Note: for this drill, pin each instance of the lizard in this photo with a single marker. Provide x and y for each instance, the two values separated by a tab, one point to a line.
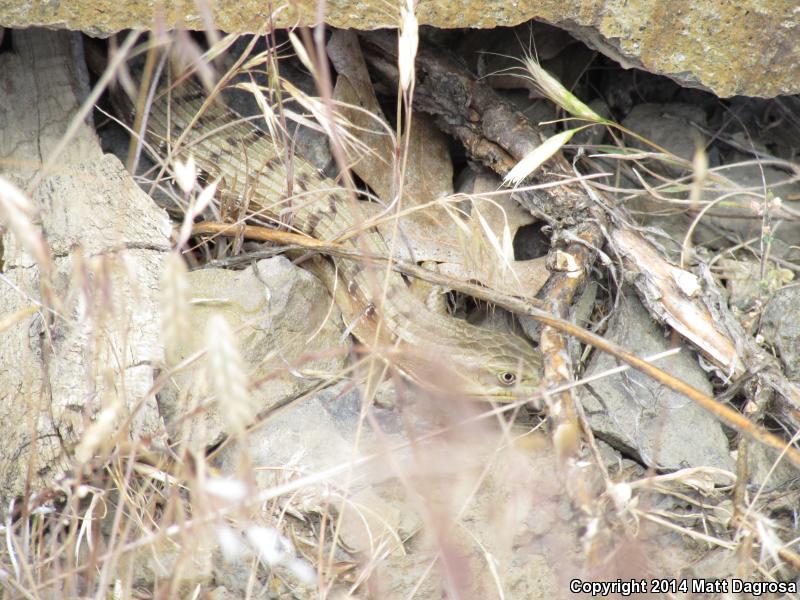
250	166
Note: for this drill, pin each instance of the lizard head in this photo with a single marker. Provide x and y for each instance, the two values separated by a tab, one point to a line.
495	366
509	371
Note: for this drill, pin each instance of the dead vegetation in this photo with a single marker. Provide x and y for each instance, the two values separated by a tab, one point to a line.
391	485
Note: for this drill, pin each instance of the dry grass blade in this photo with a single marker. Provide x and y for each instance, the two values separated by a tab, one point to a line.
504	250
332	123
270	119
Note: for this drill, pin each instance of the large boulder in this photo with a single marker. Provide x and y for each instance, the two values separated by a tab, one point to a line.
748	47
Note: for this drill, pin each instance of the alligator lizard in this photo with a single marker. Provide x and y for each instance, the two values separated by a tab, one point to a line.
251	168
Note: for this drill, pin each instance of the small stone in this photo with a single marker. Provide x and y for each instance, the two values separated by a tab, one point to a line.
640	416
780	327
274	308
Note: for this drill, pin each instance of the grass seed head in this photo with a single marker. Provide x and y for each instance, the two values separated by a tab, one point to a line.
557	93
175	301
537	157
407	45
228	377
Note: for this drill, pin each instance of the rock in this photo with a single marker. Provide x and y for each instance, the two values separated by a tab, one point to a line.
428	168
115	139
276	309
317	434
747	47
43	83
780	327
412	493
639	416
678	41
748	291
759	180
668	125
495	58
422	489
761	462
107	241
740	184
172	568
593	136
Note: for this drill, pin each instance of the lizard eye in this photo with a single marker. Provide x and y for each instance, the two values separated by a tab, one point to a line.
507	378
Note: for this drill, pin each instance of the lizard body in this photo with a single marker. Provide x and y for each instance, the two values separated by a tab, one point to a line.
252	168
